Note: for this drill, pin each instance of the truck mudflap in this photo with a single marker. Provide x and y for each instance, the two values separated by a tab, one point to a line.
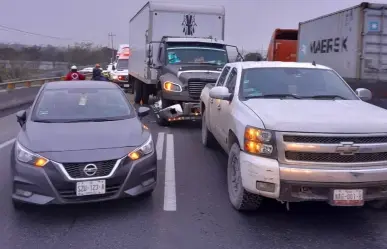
177	112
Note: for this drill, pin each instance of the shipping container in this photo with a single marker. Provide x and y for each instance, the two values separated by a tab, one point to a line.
283	45
353	42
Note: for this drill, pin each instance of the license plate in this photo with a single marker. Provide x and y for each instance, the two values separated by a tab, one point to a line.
91	188
126	85
348	197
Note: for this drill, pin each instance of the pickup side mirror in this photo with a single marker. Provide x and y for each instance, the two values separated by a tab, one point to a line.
220	92
364	94
21	117
143	111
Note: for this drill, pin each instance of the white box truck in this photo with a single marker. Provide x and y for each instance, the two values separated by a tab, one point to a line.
176	49
353	42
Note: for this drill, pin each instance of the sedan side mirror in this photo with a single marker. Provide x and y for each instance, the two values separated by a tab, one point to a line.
143	111
21	117
364	94
220	92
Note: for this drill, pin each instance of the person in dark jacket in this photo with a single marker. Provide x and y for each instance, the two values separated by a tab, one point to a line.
97	73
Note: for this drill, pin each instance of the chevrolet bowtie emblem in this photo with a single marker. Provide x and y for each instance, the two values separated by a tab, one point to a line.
347	149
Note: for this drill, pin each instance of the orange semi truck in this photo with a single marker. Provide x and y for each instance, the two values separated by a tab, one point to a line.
283	45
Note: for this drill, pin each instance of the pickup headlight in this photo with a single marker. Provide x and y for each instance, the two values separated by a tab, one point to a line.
171	87
25	156
259	142
143	150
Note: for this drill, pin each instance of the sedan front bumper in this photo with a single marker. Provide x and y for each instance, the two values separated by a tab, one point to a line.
49	185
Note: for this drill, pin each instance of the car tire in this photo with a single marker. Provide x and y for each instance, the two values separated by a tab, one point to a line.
208	139
145	94
378	204
137	91
241	199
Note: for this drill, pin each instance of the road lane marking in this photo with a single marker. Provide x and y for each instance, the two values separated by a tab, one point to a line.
5	144
160	145
170	183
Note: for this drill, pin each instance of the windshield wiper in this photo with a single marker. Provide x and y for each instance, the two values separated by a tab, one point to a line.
281	96
326	97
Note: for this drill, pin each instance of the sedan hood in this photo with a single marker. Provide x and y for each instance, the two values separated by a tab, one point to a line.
330	116
51	137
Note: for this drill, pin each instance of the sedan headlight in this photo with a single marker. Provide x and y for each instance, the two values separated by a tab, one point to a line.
143	150
259	142
172	87
25	156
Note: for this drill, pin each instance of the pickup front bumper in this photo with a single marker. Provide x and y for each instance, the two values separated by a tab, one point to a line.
296	183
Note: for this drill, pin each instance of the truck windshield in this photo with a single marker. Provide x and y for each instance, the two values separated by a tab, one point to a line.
294	82
122	64
196	55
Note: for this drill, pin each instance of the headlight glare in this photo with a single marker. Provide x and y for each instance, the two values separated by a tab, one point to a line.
143	150
259	142
171	87
26	156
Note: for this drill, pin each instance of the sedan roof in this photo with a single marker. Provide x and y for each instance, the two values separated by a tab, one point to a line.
74	84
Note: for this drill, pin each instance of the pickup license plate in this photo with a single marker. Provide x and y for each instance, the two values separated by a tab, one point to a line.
91	188
126	85
348	197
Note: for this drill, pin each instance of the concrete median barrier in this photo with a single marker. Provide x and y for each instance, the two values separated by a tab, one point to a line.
17	97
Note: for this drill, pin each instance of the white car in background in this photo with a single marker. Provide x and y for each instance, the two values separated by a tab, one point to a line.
86	70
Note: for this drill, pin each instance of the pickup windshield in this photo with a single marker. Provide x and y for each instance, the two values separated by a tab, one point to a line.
122	64
294	83
196	55
81	105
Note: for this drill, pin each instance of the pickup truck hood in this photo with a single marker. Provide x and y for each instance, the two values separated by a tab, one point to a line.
203	73
326	116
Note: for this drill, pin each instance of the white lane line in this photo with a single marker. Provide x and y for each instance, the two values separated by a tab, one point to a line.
5	144
160	145
170	183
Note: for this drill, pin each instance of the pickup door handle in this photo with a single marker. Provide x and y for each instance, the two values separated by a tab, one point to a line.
211	100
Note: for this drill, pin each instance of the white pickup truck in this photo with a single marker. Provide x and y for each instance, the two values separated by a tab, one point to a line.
296	132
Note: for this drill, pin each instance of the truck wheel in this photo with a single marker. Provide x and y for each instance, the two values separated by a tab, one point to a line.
164	104
239	197
208	139
137	91
145	94
379	204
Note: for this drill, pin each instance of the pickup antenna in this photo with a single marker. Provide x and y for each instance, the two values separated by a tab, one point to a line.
314	63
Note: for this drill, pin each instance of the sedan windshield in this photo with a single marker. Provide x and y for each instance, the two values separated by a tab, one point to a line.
81	105
296	83
199	55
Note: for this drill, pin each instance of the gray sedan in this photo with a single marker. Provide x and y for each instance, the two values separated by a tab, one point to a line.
81	142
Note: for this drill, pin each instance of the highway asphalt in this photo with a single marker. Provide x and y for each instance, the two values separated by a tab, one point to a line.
189	211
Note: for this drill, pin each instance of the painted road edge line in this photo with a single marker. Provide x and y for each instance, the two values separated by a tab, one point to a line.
160	145
5	144
170	183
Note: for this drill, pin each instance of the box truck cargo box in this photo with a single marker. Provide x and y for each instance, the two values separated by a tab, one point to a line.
353	42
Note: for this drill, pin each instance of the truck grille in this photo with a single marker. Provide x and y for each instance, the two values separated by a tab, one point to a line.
195	87
329	148
75	170
335	157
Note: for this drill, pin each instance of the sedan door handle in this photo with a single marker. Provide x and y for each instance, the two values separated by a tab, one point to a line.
211	101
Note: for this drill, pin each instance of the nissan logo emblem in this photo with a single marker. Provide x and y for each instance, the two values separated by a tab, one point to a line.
90	169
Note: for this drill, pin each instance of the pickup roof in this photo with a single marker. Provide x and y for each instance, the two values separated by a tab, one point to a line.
296	132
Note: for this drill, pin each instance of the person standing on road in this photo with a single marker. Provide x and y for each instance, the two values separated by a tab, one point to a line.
97	73
74	74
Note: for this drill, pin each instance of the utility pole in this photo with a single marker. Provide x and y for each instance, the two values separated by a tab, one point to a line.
111	39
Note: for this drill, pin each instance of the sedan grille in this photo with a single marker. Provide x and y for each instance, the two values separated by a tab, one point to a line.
195	87
76	170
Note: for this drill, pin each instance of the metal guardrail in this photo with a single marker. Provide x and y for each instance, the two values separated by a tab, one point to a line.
32	83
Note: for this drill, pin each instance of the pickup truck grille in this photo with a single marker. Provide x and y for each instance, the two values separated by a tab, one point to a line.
195	87
331	148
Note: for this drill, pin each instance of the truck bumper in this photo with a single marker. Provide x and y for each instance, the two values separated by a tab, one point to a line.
296	183
178	112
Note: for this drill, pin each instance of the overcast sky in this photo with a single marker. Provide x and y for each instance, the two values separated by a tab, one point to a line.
249	23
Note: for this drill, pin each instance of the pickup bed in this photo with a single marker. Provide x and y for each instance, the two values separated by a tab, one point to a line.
296	132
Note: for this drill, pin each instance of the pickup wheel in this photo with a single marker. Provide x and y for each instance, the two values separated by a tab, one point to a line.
239	197
208	139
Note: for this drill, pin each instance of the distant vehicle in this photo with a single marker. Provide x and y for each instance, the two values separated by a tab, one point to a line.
283	45
86	70
296	132
120	72
69	150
